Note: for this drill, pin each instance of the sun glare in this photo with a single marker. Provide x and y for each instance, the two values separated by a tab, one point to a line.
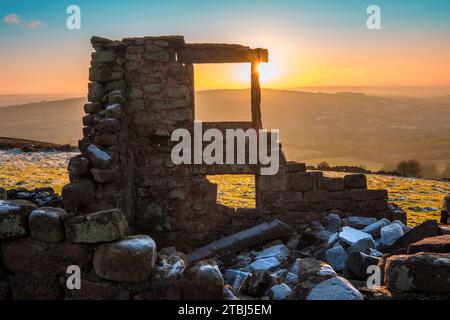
268	74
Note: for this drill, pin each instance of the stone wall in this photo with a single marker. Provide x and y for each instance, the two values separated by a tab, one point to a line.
297	197
141	90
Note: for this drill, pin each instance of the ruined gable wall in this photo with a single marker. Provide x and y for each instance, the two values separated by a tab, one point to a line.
138	95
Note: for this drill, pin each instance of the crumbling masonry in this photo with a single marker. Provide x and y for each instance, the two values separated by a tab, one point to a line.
141	90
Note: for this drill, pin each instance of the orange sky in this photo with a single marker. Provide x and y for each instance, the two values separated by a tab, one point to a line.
309	45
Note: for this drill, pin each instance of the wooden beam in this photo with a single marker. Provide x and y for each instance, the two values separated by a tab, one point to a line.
256	96
220	53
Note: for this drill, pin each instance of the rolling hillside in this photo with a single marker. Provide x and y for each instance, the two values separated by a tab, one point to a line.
343	128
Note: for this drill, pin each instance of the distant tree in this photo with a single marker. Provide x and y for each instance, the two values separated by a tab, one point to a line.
323	166
410	167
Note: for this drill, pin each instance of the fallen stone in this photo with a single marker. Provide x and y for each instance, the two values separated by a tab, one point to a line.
374	229
14	218
291	279
267	264
336	257
375	253
350	235
311	273
47	224
358	262
335	288
401	224
360	222
43	258
390	234
333	222
279	292
102	226
130	259
281	252
429	228
237	278
260	282
429	272
363	245
203	282
439	244
241	240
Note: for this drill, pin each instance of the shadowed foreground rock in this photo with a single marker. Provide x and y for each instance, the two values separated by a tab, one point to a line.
130	259
429	272
440	244
429	228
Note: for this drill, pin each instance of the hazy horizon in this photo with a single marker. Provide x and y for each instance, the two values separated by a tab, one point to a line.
422	91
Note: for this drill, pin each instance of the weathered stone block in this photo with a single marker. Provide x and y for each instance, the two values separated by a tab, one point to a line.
46	224
439	244
356	181
131	259
103	226
106	139
100	73
103	56
108	125
14	218
95	92
79	165
100	159
429	228
78	194
316	195
114	111
372	205
203	282
43	258
291	167
300	181
331	184
429	272
363	194
94	107
105	175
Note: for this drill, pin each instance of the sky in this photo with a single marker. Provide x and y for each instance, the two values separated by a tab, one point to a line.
311	43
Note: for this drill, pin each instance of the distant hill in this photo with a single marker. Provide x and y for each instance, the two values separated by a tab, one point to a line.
51	121
343	128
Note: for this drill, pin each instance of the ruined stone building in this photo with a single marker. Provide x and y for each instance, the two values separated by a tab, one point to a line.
142	89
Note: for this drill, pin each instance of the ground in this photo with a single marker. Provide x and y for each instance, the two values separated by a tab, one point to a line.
421	199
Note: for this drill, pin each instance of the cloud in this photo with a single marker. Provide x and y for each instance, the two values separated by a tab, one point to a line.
15	19
36	24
